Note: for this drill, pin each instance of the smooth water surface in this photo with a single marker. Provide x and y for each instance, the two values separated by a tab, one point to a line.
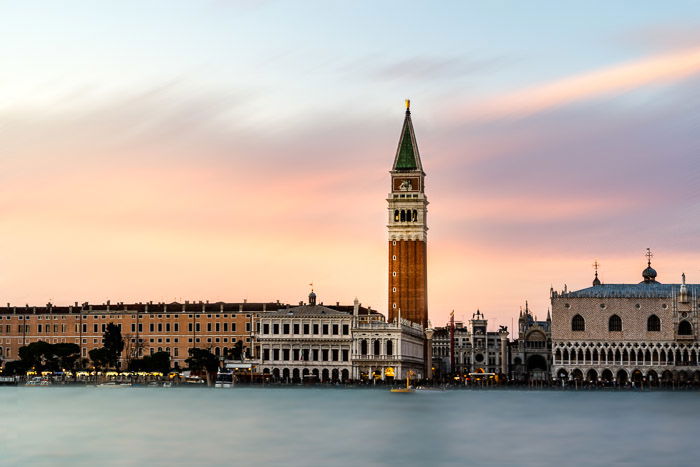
322	426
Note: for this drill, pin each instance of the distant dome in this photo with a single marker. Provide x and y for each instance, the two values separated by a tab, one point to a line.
312	298
649	274
596	281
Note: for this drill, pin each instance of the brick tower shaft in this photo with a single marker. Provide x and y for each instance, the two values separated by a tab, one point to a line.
407	204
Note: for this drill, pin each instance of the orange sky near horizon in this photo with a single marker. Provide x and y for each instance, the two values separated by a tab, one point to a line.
250	176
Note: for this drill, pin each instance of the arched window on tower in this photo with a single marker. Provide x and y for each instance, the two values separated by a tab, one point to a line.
403	215
685	328
653	324
415	216
396	215
389	348
615	324
377	347
578	323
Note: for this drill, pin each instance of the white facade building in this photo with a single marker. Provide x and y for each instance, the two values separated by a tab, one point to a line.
306	343
387	350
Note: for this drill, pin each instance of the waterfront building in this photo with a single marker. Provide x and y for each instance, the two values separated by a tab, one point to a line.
146	327
311	342
387	351
531	352
451	354
627	332
407	212
476	350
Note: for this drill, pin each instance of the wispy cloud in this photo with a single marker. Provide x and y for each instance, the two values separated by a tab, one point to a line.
616	79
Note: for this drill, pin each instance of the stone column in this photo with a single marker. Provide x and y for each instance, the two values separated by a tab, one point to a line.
429	353
504	352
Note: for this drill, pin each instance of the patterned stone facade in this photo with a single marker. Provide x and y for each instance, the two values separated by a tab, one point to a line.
644	332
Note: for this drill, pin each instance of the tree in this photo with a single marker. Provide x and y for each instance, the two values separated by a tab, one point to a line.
67	355
100	358
16	367
236	352
203	360
159	361
113	344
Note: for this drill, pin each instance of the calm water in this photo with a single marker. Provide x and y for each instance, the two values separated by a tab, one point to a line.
308	426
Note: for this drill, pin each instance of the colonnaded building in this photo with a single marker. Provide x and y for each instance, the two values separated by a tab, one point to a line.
627	332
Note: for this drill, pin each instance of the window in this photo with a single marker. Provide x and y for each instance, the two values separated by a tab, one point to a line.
346	329
653	324
208	327
325	329
276	329
266	328
685	328
306	328
176	327
189	327
247	327
151	327
285	327
225	327
346	355
233	327
217	327
336	330
389	347
296	328
315	328
578	323
615	324
197	327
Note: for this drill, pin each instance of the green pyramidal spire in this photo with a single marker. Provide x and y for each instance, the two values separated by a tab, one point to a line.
407	156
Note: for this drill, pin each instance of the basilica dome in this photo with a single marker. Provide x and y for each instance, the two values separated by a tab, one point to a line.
649	274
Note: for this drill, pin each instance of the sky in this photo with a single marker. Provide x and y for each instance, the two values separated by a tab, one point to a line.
230	150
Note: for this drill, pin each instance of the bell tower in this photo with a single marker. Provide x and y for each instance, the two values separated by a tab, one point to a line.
408	272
